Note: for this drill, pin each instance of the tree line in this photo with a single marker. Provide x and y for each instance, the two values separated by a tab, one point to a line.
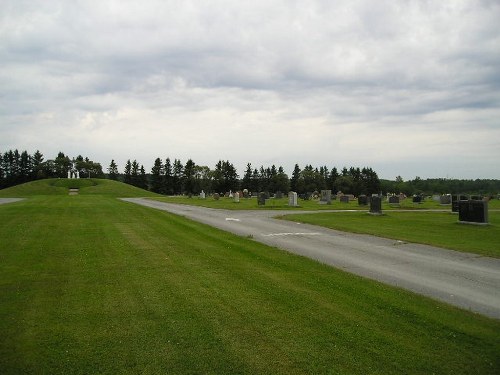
429	186
173	177
20	167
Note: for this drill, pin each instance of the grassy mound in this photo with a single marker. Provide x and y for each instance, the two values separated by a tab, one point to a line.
61	186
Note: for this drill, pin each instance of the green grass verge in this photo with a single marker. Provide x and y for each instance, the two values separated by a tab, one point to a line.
90	284
431	228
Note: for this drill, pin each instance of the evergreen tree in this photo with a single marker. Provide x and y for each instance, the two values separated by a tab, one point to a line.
143	178
281	182
157	176
331	180
113	170
177	176
134	174
188	177
37	166
127	174
255	185
247	178
295	178
25	167
168	185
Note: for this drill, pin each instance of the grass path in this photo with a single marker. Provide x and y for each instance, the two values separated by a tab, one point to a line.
90	284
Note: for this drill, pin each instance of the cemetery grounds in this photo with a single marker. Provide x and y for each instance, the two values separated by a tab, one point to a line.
91	284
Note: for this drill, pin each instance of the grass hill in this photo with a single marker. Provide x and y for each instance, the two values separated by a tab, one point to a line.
61	186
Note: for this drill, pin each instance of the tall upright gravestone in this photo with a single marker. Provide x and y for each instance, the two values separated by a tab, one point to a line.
292	199
326	197
261	199
376	205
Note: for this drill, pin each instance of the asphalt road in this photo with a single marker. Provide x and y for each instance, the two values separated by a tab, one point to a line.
465	280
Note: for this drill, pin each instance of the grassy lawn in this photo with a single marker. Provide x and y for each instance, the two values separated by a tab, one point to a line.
431	228
282	204
90	284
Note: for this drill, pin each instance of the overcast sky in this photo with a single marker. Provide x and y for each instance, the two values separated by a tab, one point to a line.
409	88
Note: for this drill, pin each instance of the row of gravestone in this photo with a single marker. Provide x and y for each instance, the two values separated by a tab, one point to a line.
471	209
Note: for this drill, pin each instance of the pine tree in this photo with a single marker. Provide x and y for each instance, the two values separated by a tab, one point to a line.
295	178
143	178
188	177
113	170
177	176
168	187
247	178
128	173
157	176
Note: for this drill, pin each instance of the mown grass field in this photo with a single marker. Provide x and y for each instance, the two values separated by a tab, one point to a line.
282	204
90	284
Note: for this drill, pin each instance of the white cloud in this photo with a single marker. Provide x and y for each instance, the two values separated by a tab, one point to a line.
380	84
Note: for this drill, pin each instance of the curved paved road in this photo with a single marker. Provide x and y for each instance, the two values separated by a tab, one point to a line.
466	280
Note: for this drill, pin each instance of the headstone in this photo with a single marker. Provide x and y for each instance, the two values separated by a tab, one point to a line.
261	199
363	200
230	195
278	195
344	199
393	199
376	205
445	199
236	197
202	195
245	193
216	196
292	199
473	211
326	197
417	199
77	174
69	174
455	199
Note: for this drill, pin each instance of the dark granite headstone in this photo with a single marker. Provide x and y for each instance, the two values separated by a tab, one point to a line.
216	196
362	200
393	199
261	198
473	211
455	199
417	199
344	199
278	195
376	205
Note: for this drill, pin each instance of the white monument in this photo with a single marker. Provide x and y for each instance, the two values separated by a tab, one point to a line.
236	197
292	199
202	195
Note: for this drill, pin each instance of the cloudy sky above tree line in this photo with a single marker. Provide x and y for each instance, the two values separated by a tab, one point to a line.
409	88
